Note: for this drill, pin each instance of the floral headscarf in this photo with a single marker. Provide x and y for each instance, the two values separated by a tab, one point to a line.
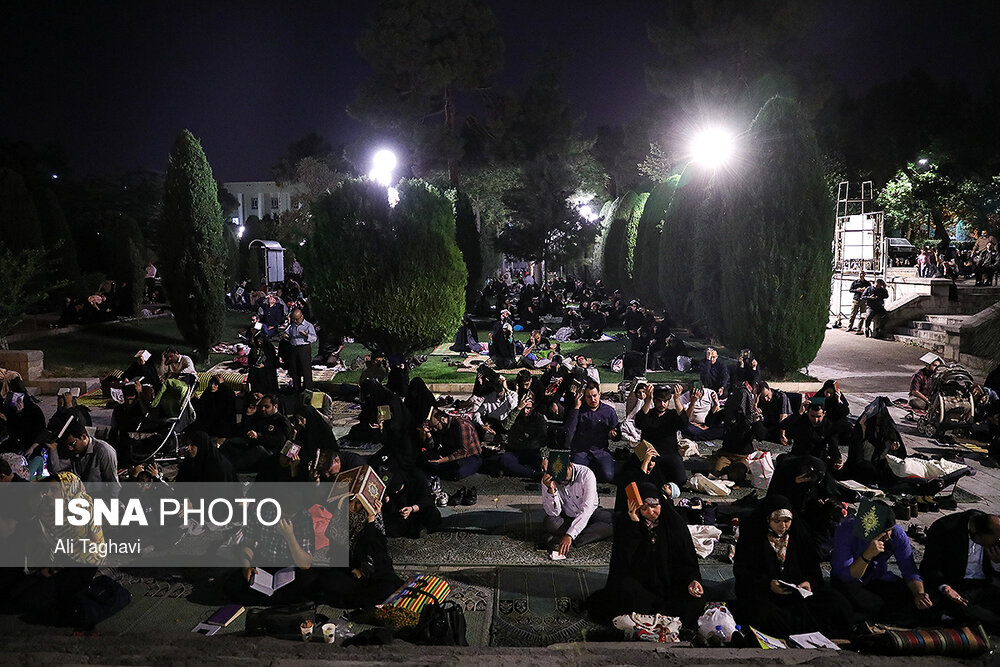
71	487
18	465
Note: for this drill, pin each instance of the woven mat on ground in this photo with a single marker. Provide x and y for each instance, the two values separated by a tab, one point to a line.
442	350
491	537
92	399
509	372
541	606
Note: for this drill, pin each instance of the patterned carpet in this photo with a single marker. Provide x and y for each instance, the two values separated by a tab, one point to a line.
543	605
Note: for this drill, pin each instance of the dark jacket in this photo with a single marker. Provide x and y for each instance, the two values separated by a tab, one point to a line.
946	555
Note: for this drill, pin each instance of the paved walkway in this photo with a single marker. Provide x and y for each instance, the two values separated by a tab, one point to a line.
864	364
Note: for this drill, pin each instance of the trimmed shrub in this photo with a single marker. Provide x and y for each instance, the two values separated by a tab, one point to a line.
391	277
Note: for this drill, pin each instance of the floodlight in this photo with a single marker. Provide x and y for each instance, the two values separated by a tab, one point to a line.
712	147
383	164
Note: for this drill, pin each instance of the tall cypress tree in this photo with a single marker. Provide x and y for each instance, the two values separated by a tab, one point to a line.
193	255
468	240
677	277
775	257
647	243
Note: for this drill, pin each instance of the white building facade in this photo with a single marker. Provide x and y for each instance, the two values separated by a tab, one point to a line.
263	198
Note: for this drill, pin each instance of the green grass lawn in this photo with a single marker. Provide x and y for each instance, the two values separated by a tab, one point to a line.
93	351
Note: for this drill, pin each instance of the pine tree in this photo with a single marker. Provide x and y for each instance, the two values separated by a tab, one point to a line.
192	254
775	255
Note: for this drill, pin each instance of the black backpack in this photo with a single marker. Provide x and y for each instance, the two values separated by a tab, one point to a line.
440	624
102	598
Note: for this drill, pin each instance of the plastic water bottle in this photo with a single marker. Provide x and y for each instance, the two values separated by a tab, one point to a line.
717	638
738	639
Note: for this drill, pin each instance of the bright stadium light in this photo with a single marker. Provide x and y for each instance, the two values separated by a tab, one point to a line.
712	147
383	164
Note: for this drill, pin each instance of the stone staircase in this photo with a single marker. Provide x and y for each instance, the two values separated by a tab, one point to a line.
934	332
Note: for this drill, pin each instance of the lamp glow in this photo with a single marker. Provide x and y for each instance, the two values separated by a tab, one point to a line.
586	211
383	164
712	147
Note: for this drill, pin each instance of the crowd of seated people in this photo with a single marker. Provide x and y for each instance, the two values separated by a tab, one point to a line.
512	426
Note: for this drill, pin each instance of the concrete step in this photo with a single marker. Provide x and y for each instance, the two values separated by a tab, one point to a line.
925	325
51	386
919	342
925	334
945	320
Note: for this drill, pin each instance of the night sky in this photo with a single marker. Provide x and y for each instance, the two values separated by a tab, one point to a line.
116	81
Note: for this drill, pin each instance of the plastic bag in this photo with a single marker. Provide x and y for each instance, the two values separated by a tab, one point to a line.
717	620
649	627
704	539
713	487
927	469
761	468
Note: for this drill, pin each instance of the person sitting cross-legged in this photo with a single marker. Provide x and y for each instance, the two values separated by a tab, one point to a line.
261	434
654	568
452	447
573	515
862	548
527	433
659	422
961	565
590	424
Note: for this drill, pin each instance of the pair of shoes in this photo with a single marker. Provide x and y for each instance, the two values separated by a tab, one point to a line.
441	499
859	332
464	496
917	533
850	328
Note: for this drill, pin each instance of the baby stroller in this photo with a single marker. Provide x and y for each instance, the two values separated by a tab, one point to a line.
951	405
156	438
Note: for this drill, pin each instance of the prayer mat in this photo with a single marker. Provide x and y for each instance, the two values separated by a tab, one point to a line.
491	537
93	399
541	606
442	350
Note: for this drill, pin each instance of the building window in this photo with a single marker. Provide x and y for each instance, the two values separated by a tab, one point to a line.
253	203
274	202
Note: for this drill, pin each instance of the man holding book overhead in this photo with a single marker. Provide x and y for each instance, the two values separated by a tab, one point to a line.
572	512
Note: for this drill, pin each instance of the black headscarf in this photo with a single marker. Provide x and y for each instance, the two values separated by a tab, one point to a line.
208	464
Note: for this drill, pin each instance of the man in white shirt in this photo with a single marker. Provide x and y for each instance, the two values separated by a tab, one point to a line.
572	511
495	408
705	422
176	365
962	561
